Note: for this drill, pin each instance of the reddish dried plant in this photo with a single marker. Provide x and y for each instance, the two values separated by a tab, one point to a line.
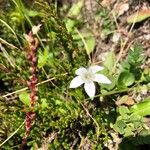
33	44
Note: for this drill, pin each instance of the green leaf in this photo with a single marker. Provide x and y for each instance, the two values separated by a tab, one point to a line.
90	42
125	65
32	13
123	110
135	56
110	60
73	12
119	126
142	108
126	79
139	16
43	58
58	102
75	9
44	103
70	24
25	98
85	35
128	131
110	86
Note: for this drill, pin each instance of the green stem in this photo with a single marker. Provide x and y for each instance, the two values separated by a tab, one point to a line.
119	91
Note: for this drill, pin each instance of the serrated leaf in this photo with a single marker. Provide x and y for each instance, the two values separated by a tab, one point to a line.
139	16
141	109
110	60
25	98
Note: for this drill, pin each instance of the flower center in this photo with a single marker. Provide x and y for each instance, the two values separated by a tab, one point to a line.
88	77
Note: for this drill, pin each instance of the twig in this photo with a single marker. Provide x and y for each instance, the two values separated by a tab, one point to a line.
24	89
97	125
12	134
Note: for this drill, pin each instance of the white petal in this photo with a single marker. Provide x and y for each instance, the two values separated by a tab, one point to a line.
101	79
95	68
90	89
35	29
80	71
77	81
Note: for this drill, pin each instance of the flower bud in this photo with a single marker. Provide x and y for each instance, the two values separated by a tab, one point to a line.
34	79
34	59
29	57
33	70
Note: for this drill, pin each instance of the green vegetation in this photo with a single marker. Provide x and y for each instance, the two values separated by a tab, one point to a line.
67	118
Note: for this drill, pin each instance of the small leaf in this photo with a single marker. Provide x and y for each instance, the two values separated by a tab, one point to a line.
44	103
139	16
126	79
43	58
25	98
119	126
90	42
128	131
70	24
123	110
58	102
73	12
110	60
75	9
142	108
32	13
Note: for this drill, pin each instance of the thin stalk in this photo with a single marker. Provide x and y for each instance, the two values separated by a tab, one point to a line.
12	134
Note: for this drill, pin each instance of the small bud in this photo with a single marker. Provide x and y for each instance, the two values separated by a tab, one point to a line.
34	79
29	57
34	49
34	59
33	70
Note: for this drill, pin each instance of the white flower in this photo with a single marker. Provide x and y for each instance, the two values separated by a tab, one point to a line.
87	77
35	29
